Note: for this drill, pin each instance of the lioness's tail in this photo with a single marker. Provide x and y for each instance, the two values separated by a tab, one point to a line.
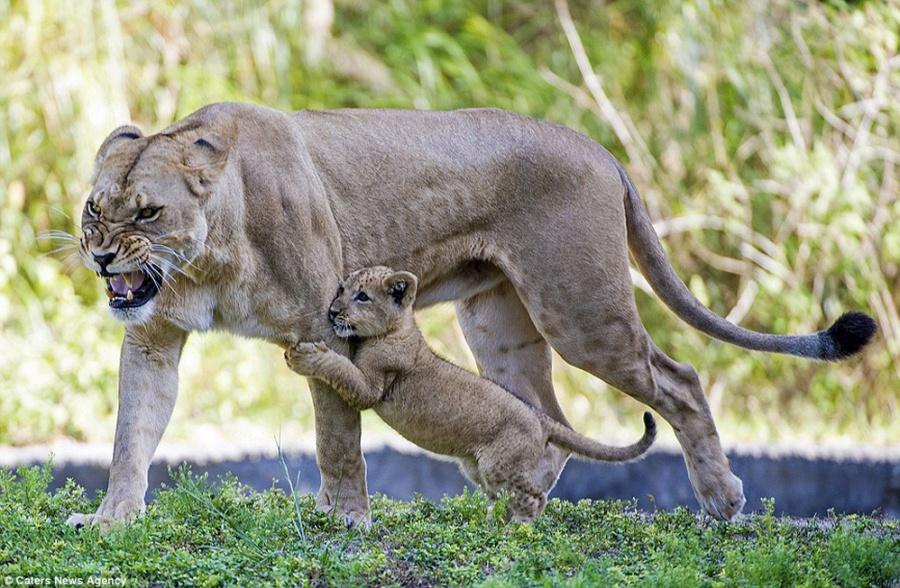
849	333
584	446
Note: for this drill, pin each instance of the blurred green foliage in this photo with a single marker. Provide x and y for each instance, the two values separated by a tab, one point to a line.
763	136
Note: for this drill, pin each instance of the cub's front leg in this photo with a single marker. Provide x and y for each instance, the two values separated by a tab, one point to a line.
316	360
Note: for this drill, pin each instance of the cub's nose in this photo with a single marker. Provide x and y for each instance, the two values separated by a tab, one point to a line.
104	259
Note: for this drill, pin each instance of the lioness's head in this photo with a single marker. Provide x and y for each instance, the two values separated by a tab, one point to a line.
145	220
372	301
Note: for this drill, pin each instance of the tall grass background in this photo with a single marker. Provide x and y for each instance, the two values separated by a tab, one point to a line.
762	135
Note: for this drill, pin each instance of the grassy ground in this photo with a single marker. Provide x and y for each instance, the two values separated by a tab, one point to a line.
196	533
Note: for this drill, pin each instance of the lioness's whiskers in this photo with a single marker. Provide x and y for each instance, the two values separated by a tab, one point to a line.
168	278
167	265
158	248
61	211
148	269
55	234
61	248
71	262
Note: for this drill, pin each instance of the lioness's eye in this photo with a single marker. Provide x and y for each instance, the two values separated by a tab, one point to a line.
361	297
92	208
148	212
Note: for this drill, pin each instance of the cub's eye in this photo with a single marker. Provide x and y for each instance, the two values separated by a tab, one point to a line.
148	213
361	297
93	209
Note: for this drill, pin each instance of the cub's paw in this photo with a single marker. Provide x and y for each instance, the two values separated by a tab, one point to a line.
315	348
304	358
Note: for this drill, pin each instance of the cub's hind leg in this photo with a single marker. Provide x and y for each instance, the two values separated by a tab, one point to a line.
469	468
527	498
472	472
510	351
510	465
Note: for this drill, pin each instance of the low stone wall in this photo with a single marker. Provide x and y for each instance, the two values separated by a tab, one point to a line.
860	480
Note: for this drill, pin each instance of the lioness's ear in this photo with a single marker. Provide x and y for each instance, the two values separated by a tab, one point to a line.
205	158
401	286
115	138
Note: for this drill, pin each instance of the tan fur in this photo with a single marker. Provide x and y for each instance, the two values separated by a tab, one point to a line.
525	224
498	439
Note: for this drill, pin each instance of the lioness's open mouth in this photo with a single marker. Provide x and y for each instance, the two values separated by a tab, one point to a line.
133	289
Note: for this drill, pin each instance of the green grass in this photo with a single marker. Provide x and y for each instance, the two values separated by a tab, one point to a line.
198	533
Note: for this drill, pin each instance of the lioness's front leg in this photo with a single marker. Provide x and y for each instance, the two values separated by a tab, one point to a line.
339	457
318	361
148	386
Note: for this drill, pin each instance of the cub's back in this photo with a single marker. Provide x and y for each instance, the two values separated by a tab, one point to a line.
447	409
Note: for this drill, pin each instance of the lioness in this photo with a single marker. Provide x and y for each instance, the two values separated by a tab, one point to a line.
244	218
498	439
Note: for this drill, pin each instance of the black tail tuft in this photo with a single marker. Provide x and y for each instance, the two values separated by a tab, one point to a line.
649	423
848	335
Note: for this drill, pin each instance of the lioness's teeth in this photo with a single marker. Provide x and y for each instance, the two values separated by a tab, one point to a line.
129	297
127	278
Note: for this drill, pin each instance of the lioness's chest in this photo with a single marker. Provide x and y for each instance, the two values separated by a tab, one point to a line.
201	309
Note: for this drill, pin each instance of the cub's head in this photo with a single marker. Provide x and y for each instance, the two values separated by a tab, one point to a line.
145	219
372	301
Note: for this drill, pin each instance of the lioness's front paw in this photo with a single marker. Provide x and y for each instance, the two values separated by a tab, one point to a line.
110	513
79	520
304	357
355	515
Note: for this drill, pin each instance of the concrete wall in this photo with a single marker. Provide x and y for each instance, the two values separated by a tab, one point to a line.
856	481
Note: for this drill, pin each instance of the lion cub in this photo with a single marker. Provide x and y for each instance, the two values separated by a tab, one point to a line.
443	408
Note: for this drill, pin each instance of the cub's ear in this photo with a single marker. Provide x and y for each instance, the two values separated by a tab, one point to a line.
115	139
205	158
401	286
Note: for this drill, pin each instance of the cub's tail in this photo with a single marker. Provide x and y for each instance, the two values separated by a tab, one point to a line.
848	335
586	447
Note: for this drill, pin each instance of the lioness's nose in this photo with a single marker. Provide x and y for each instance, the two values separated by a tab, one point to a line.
332	314
104	259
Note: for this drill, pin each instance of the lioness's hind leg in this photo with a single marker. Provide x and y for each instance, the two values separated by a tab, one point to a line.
588	314
673	390
682	402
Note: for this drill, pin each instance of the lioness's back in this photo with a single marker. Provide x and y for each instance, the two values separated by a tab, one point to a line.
503	148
